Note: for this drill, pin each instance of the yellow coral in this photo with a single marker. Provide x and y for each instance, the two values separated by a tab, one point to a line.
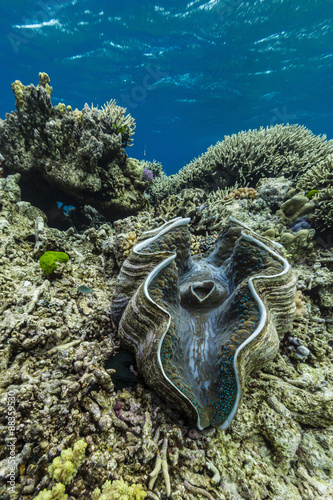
78	115
195	245
65	467
119	490
57	493
62	108
300	303
18	89
44	81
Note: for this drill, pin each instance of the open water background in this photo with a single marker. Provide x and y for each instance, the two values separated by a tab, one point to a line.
188	72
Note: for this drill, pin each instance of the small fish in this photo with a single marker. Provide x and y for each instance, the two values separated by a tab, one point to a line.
84	289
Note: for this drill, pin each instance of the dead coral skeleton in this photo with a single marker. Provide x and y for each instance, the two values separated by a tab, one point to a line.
161	463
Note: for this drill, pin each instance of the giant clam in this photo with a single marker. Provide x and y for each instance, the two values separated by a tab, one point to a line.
199	325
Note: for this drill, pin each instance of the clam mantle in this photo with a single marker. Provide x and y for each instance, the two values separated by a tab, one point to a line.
199	325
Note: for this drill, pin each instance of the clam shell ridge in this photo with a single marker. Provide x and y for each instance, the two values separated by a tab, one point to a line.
199	326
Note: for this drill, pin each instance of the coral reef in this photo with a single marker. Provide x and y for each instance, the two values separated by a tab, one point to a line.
56	341
57	493
63	469
242	193
73	156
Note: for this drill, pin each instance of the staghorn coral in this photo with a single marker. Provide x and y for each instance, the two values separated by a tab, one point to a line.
288	150
78	156
119	490
323	214
317	177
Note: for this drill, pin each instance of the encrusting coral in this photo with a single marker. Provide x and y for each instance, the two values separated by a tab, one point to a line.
245	192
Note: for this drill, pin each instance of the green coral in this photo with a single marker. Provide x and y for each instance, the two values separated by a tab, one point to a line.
57	493
119	490
48	261
64	468
311	193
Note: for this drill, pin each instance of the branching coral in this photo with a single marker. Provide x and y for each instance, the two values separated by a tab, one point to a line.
318	180
319	176
114	116
288	150
161	463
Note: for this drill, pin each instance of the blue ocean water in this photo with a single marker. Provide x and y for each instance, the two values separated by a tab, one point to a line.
188	72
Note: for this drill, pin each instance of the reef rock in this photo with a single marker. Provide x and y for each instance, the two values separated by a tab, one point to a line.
77	156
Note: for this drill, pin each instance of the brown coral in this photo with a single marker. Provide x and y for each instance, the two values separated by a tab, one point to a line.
241	193
128	242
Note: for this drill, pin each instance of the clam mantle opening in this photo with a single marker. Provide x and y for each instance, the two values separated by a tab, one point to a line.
199	325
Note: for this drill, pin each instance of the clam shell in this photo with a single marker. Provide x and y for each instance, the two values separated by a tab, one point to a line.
199	326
